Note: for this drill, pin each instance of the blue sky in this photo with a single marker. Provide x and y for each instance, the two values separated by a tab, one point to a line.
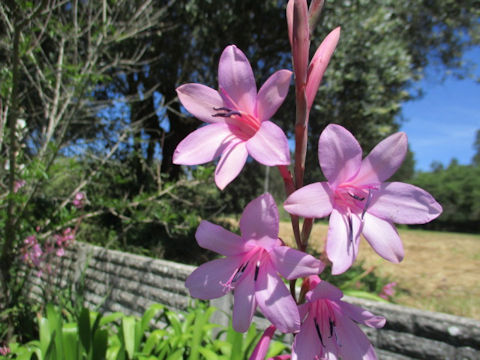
442	124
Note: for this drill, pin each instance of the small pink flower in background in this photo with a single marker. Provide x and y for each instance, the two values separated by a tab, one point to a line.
329	329
79	200
358	200
251	266
31	251
18	184
4	350
388	291
237	118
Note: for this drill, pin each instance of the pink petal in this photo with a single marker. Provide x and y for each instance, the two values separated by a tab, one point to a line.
361	315
355	344
261	349
260	218
213	237
244	302
319	63
200	101
231	163
293	264
339	153
383	238
404	204
324	290
311	201
275	301
384	160
306	344
269	146
235	77
342	248
203	145
205	282
272	93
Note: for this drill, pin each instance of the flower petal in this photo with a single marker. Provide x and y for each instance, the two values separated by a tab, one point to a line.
200	101
231	163
269	146
292	264
306	345
383	238
275	301
319	63
311	201
384	160
213	237
203	145
244	302
205	282
342	241
354	343
324	290
404	204
362	316
339	153
235	77
263	344
260	218
272	94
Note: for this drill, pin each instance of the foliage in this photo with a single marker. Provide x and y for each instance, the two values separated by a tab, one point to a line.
189	335
457	188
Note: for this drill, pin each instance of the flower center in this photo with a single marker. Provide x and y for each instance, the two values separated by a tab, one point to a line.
325	323
242	124
354	199
252	258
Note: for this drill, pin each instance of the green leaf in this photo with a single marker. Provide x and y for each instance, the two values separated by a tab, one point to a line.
128	327
71	341
100	342
84	329
363	295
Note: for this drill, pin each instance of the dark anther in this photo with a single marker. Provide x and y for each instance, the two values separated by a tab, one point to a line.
367	203
356	197
256	272
239	272
227	112
318	331
332	325
350	228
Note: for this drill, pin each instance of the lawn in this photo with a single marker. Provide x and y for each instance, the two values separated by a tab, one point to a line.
440	272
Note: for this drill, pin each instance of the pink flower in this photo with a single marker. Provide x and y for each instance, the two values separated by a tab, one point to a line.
17	185
388	290
237	119
4	350
79	200
263	344
251	266
359	200
328	329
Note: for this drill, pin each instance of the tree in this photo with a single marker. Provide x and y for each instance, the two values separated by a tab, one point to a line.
476	146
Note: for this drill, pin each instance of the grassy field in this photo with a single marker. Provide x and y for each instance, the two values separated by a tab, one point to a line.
440	272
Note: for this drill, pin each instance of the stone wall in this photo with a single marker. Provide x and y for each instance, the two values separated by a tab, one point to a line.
117	281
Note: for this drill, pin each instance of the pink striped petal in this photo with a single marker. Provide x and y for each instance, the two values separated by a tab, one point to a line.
404	204
260	218
383	238
362	316
342	247
319	63
339	153
272	93
213	237
205	282
231	163
306	345
311	201
203	145
269	146
275	301
244	302
235	77
200	101
293	264
384	160
324	290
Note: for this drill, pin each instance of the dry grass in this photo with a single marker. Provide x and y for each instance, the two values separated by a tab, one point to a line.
440	272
